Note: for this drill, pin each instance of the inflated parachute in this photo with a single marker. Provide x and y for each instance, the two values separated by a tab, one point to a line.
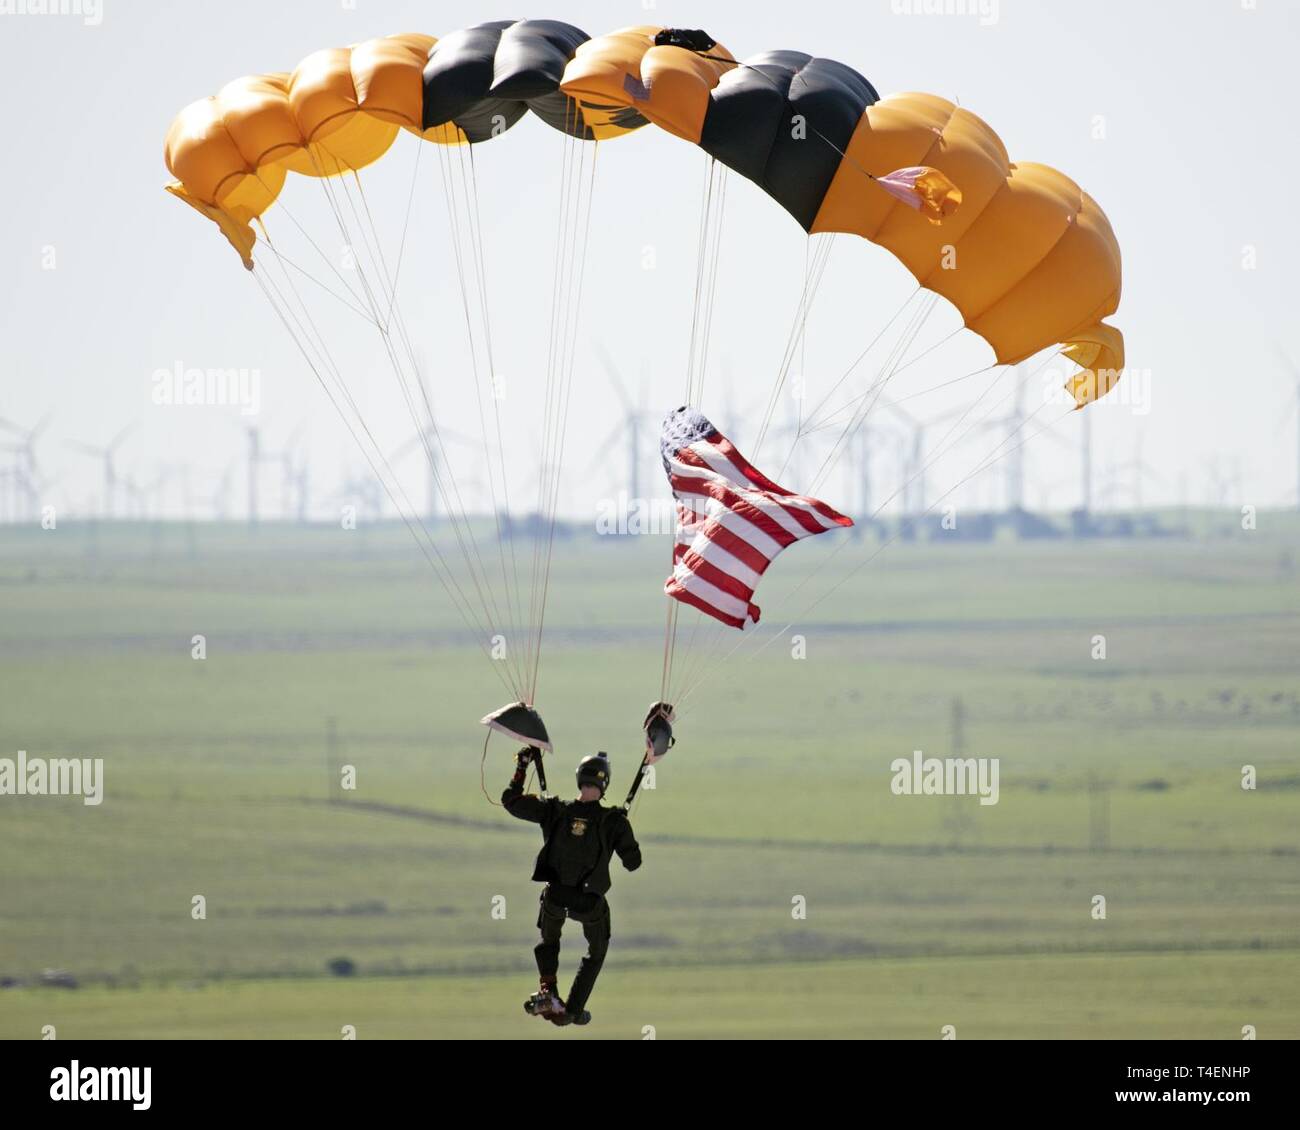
1027	257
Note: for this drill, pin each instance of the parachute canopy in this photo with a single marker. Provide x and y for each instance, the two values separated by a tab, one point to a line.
1028	258
520	722
732	520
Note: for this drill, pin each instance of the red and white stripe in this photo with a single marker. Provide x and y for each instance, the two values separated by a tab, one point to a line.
732	521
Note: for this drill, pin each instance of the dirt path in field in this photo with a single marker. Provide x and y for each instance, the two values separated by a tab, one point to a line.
498	827
437	641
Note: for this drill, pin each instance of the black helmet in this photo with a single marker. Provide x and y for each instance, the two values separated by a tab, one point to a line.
594	770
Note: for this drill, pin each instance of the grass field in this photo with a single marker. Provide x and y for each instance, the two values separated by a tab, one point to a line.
1120	778
1121	996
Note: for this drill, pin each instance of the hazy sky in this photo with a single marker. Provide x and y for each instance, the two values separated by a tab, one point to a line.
1176	115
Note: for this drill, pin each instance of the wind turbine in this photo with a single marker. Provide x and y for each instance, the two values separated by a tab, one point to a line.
865	446
1224	485
291	477
186	474
301	480
9	487
27	476
221	495
254	471
432	440
132	501
366	490
627	429
12	483
861	451
1012	448
1140	471
1046	491
913	487
106	454
143	498
155	491
731	419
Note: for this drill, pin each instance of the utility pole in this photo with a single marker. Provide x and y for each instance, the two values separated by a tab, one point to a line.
958	820
1098	814
332	757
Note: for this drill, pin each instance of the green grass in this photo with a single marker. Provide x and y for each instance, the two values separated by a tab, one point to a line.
1123	996
1119	777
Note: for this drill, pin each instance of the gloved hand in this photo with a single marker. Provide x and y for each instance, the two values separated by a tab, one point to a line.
526	756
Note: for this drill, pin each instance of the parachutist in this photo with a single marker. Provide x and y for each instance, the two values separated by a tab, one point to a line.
579	837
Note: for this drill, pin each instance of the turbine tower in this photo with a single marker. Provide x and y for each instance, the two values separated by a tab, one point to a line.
628	429
106	455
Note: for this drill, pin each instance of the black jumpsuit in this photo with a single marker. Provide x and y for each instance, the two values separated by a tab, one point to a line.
579	837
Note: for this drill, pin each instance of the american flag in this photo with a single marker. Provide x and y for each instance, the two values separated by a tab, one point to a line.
732	520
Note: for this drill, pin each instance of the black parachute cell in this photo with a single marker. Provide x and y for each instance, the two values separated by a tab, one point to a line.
459	73
749	105
750	124
531	58
487	77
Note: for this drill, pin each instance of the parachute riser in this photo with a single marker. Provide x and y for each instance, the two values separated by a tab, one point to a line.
636	783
